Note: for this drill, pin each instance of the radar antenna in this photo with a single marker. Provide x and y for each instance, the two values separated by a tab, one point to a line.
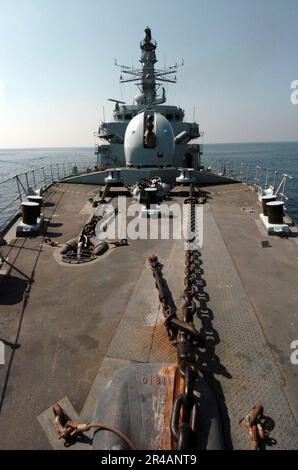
148	78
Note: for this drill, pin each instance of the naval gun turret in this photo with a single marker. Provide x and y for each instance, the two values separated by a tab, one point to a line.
149	141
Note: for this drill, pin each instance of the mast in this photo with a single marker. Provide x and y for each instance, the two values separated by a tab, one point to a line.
149	79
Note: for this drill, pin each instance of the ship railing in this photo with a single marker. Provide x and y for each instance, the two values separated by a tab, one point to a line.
259	178
268	180
274	181
14	190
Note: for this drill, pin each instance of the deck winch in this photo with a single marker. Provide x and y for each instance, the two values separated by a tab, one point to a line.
138	191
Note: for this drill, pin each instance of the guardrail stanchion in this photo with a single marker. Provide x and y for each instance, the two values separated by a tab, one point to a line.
19	189
44	176
52	174
27	182
274	181
267	176
34	181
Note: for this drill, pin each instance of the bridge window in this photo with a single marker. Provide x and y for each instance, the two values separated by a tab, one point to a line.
169	117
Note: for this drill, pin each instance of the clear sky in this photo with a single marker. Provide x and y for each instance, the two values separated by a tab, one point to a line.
57	66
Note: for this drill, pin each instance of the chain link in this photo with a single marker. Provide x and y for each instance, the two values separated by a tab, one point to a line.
184	426
185	411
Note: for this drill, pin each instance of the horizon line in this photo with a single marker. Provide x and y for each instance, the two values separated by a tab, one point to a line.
203	143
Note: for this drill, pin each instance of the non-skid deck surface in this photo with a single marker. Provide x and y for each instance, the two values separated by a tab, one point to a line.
239	364
244	366
72	320
57	331
268	268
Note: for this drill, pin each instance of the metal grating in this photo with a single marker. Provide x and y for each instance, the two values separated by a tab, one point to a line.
85	256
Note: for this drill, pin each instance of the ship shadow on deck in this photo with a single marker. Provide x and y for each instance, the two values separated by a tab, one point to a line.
48	234
20	290
209	362
287	235
54	224
183	191
12	289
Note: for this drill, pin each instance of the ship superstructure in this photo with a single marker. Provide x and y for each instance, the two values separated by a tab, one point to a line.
150	100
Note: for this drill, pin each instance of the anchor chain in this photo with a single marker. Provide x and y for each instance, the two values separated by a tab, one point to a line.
185	411
172	323
101	198
88	231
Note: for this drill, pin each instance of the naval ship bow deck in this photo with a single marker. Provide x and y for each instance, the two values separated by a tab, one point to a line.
69	327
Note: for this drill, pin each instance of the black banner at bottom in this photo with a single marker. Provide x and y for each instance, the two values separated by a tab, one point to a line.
137	459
